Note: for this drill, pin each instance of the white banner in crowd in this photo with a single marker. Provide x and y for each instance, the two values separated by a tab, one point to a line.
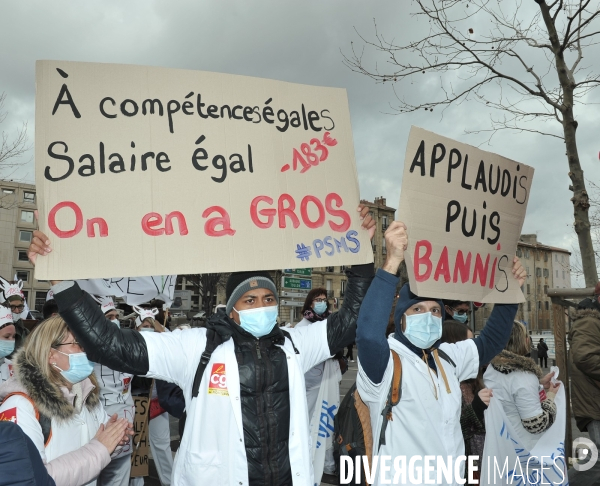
321	423
506	461
133	290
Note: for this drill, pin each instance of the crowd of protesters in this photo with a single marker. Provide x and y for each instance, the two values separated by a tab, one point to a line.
249	393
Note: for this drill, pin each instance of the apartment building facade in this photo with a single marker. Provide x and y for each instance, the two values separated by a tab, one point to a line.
547	267
17	223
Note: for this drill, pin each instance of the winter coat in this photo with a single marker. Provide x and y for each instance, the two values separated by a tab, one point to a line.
514	381
72	456
542	349
249	423
20	461
584	357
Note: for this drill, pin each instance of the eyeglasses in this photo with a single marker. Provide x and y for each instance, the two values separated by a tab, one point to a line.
320	300
66	344
17	307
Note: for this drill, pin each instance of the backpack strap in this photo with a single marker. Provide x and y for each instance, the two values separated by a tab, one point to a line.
213	340
394	396
445	357
44	420
287	335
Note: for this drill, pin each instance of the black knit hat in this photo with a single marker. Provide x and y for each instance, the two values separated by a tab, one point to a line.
241	282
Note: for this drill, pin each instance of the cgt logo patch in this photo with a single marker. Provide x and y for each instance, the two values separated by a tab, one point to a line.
217	384
9	415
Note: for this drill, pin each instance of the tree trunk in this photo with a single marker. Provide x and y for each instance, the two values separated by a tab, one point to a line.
580	199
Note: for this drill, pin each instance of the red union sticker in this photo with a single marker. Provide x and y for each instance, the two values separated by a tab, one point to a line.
126	382
217	385
9	415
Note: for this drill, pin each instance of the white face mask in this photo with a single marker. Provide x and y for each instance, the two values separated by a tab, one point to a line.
116	321
146	329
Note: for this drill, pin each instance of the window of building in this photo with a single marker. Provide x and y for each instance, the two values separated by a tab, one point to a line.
6	190
342	288
547	305
23	275
383	248
546	289
519	253
526	253
329	269
23	256
556	257
25	236
539	305
529	305
546	272
27	216
538	272
343	268
29	197
384	221
528	289
40	300
545	256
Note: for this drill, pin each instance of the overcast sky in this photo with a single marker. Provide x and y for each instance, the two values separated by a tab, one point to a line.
290	41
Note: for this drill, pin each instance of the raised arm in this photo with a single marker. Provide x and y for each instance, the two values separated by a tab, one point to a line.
341	325
119	349
496	332
371	341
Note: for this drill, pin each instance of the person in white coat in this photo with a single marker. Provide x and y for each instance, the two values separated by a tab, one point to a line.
322	387
242	376
54	398
426	421
159	433
115	396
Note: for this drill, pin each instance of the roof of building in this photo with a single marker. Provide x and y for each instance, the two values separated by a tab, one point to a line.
540	246
379	203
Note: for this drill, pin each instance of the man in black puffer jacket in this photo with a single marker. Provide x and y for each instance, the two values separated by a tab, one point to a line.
248	424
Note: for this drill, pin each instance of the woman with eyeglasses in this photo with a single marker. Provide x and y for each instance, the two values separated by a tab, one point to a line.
322	383
54	398
7	342
15	301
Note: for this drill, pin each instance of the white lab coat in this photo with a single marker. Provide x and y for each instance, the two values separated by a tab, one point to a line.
212	448
421	424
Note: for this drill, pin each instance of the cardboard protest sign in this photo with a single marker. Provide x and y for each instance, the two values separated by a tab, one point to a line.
153	171
464	209
141	446
134	291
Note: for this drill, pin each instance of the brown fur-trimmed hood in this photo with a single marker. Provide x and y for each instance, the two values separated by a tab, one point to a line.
48	397
507	362
581	313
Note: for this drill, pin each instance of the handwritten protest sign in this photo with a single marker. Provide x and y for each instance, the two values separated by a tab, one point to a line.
464	210
134	291
153	171
141	446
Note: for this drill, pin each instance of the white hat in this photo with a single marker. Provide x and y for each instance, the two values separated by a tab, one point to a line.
11	290
50	295
6	318
144	314
106	303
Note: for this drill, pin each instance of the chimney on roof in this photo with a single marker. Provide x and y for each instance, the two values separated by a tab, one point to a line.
380	201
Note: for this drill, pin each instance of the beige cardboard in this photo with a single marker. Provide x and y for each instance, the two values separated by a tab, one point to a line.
123	199
424	203
139	456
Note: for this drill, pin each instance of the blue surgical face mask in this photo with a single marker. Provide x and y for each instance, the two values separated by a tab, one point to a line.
260	321
320	307
79	367
460	317
6	347
146	329
116	322
423	330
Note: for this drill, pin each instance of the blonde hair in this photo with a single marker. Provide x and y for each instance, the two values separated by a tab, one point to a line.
36	351
517	343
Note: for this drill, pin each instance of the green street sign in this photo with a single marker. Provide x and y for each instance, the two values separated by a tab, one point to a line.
296	283
299	271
